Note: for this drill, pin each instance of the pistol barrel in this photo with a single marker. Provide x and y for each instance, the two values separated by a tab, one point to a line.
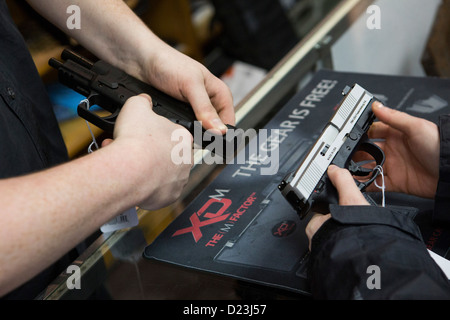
55	63
70	55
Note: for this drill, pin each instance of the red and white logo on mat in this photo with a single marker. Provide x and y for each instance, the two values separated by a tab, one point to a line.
211	212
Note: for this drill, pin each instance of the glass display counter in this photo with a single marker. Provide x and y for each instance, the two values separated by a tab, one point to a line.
112	267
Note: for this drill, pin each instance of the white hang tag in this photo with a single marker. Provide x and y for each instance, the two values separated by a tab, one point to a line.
127	219
443	263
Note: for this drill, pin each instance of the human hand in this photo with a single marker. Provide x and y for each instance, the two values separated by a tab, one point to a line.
349	194
144	139
188	80
116	35
411	148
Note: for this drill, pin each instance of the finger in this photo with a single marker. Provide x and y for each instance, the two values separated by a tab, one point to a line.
349	193
314	224
142	100
147	97
106	142
135	110
394	118
222	100
204	110
378	130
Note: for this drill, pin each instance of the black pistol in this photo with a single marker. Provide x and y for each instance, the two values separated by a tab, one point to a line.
109	87
309	188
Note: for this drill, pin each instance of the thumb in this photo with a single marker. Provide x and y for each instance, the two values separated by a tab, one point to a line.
349	193
134	115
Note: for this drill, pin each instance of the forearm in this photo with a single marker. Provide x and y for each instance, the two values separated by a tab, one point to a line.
109	29
46	214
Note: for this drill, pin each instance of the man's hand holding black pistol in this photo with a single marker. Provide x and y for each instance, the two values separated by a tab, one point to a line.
133	169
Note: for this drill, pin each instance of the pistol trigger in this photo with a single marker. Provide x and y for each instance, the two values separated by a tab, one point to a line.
357	170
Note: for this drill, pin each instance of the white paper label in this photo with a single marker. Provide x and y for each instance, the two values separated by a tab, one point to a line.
127	219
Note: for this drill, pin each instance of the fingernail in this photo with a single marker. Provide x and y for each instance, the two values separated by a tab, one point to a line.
378	105
332	167
219	124
146	96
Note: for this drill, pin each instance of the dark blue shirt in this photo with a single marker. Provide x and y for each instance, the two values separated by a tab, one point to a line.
30	139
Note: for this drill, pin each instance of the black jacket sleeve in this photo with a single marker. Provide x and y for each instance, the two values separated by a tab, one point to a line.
368	252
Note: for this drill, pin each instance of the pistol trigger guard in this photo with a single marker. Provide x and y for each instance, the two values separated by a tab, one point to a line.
377	153
106	123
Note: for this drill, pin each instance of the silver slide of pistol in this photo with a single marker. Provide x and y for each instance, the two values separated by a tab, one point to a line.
299	187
